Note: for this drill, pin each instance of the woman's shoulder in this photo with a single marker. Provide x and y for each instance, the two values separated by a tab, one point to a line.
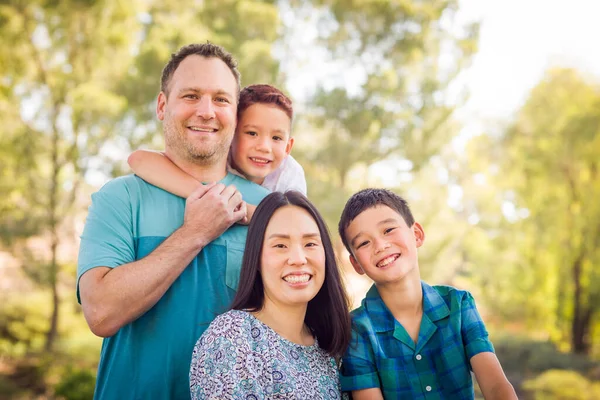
232	322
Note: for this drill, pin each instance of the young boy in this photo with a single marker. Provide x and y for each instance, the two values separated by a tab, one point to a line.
260	150
409	340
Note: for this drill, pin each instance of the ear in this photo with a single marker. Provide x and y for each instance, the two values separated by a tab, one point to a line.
289	145
419	234
160	106
356	265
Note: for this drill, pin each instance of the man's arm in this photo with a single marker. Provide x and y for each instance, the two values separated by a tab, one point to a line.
491	378
113	297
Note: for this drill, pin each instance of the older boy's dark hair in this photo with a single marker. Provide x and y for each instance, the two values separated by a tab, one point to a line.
369	198
208	50
327	313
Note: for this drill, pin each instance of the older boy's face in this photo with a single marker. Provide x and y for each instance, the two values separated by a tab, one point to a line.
383	246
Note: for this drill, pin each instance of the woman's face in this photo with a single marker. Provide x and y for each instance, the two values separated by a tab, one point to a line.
261	141
293	258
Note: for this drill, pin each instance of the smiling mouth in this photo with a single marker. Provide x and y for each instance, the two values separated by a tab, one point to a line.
388	260
202	129
303	278
257	160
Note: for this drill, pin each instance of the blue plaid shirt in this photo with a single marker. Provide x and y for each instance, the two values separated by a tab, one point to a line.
382	354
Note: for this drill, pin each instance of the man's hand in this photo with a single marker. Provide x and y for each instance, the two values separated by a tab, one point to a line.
211	210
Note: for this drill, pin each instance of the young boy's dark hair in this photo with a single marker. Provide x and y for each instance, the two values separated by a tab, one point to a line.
369	198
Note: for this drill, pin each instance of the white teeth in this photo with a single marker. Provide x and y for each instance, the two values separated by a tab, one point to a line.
259	160
387	261
201	129
297	278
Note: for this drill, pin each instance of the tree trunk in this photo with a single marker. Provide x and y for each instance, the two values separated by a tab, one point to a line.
53	225
580	325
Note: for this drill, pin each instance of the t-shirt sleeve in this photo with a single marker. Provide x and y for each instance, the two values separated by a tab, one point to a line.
107	239
358	370
216	370
292	177
473	331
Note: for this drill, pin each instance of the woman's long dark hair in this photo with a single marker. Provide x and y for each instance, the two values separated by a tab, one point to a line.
327	313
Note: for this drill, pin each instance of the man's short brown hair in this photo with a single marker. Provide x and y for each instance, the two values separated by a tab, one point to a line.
208	50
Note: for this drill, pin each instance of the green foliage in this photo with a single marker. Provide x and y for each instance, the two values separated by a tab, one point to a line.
388	98
562	385
22	326
76	384
537	206
524	357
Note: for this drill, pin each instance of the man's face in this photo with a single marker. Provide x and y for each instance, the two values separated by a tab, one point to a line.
383	246
199	112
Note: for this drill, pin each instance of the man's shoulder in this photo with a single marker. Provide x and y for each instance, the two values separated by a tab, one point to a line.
250	190
123	184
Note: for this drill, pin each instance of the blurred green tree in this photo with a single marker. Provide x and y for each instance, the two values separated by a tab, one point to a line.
390	98
78	83
546	243
59	62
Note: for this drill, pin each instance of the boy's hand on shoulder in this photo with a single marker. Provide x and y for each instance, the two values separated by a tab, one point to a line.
211	209
250	208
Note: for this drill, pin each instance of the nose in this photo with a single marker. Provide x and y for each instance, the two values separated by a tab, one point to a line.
264	144
297	256
205	108
381	245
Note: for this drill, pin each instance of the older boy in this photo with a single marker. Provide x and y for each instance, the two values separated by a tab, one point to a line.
409	340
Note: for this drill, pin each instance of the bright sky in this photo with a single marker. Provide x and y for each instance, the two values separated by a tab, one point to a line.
519	40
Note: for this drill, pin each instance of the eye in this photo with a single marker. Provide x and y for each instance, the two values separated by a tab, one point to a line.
251	133
279	246
277	138
388	230
222	99
362	244
312	244
190	96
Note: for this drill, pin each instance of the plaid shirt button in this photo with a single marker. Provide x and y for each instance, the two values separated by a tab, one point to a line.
418	357
428	388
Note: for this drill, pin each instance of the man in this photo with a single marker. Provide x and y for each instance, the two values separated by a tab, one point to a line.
154	269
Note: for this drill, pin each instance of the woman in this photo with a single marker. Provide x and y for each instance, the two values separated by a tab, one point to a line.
289	321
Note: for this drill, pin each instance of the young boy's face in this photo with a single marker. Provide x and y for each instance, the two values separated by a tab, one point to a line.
261	142
383	246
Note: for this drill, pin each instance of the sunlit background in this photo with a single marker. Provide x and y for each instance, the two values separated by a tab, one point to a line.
484	114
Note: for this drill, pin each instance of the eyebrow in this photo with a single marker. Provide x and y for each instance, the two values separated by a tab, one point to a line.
246	126
383	222
284	236
221	92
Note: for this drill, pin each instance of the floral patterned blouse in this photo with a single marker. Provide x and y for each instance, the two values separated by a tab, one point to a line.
239	357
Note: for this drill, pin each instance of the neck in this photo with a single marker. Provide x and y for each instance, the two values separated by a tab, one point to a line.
287	322
213	172
404	297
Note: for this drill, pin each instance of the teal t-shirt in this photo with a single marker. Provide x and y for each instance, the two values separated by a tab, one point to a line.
150	357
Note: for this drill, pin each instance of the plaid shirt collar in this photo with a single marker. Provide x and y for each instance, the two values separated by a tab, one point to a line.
434	309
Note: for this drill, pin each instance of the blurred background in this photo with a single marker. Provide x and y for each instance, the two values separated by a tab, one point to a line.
484	114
